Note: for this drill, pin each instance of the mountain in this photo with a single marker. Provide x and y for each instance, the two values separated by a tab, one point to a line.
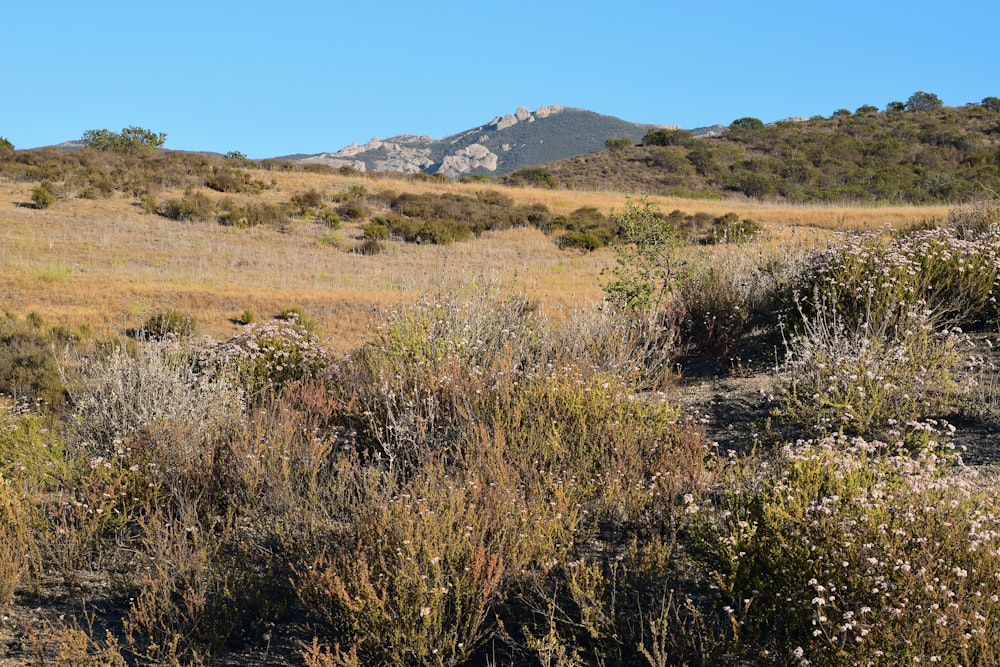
505	144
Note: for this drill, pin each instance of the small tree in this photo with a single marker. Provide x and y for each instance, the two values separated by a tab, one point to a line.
666	137
921	101
895	106
7	147
865	109
646	261
747	123
991	103
131	140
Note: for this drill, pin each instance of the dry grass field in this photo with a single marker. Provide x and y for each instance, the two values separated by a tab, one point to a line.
107	264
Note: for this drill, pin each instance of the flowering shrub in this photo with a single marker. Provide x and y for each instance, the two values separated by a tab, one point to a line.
872	380
866	277
266	357
847	551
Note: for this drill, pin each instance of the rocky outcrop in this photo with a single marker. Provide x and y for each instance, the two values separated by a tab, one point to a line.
467	160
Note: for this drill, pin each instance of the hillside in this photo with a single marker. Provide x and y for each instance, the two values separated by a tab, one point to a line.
934	155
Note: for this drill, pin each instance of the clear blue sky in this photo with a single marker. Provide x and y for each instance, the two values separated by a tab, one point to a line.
276	78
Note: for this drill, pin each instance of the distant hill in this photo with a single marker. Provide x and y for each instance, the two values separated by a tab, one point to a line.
503	145
945	154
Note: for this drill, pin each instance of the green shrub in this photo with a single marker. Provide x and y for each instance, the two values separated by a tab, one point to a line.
6	147
331	238
376	230
330	218
42	195
536	177
192	207
167	323
28	368
253	214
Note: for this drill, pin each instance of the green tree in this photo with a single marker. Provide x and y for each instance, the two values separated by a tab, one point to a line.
7	147
663	136
132	139
839	113
921	101
992	103
747	123
866	109
895	106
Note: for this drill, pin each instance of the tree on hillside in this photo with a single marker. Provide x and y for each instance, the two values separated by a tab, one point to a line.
991	103
747	123
921	101
895	106
666	137
7	147
132	139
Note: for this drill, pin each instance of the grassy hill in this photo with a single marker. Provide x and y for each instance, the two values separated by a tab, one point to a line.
936	155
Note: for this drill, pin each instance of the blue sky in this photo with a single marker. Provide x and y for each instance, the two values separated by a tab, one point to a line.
276	78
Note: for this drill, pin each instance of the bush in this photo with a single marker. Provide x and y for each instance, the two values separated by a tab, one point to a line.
253	214
28	368
169	323
118	393
843	552
188	208
42	195
6	147
536	177
264	358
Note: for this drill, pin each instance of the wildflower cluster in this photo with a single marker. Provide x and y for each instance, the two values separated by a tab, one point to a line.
857	552
866	277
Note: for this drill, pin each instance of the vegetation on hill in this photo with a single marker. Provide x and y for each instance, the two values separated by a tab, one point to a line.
916	151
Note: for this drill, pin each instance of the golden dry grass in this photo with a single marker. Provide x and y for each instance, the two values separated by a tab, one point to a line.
108	264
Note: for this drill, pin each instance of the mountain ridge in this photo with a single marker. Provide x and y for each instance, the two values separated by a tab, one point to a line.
504	144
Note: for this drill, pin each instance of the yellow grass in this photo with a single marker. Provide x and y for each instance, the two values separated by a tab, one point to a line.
107	264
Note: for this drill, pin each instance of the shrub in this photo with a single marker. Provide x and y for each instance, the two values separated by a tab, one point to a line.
132	139
667	137
264	358
352	211
874	377
253	214
29	371
6	147
369	247
168	323
119	392
865	277
537	177
376	230
196	206
845	551
330	218
42	195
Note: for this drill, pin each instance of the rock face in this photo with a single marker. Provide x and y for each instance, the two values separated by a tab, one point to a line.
506	143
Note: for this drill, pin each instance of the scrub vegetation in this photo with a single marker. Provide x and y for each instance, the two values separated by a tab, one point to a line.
484	474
